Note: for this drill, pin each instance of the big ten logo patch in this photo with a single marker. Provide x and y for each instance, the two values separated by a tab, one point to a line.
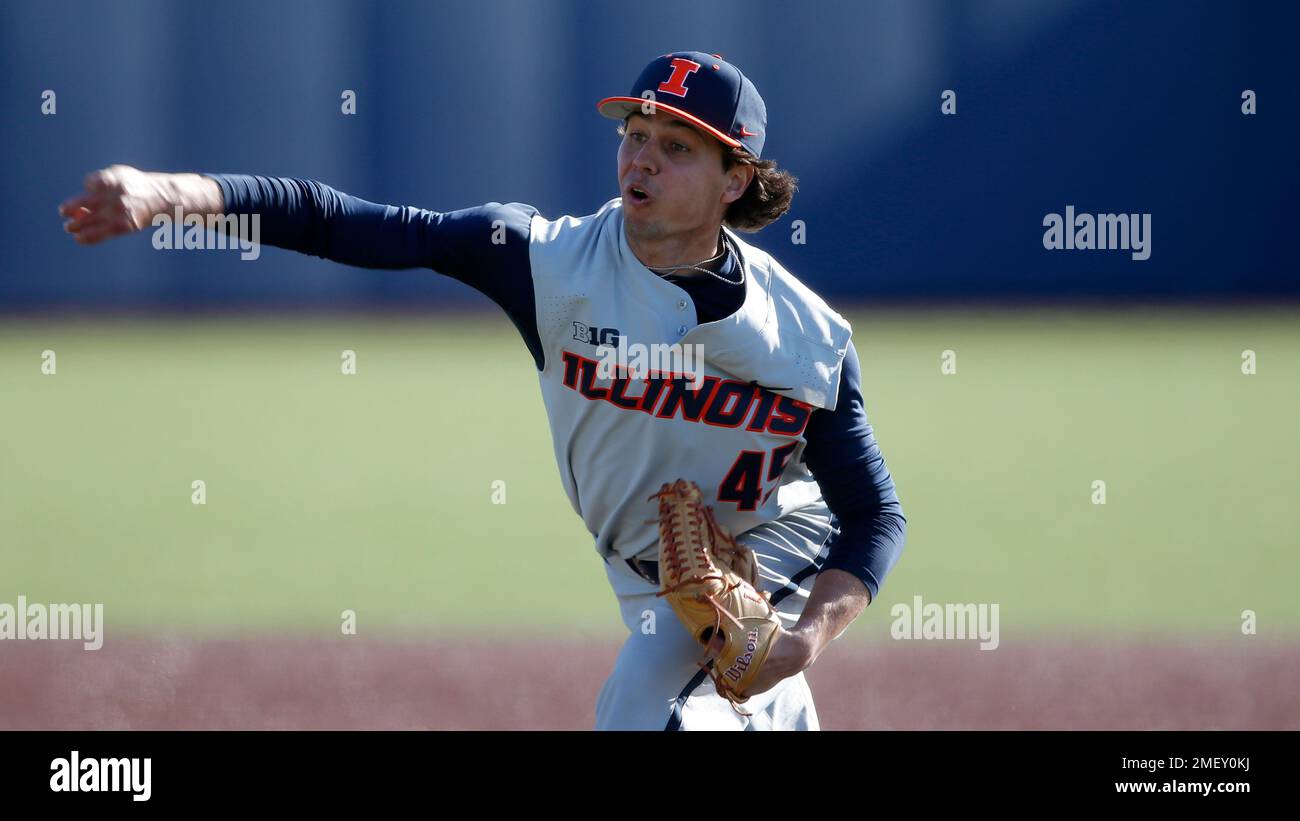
595	336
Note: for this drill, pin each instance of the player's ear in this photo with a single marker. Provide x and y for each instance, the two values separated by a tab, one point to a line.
739	177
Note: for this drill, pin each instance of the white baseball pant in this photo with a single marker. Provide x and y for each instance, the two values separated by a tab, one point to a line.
657	684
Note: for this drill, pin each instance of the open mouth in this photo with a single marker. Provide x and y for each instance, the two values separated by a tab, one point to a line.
638	194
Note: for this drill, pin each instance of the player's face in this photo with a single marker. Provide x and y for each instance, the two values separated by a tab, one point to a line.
671	179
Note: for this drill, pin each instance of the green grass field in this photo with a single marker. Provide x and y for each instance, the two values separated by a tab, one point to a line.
372	492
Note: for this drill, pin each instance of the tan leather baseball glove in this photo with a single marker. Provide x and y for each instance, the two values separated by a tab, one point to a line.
711	583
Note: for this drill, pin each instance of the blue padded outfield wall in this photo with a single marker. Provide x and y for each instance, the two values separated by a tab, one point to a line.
1108	107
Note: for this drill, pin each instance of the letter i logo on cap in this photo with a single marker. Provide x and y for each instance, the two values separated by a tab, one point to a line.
676	83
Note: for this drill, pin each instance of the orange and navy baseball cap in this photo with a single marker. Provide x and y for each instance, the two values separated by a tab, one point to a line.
703	90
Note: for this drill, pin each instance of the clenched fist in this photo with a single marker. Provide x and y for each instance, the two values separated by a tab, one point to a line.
121	199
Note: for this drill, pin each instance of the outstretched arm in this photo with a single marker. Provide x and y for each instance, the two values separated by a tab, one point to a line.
486	247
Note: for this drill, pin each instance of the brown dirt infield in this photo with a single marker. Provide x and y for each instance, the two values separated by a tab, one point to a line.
178	683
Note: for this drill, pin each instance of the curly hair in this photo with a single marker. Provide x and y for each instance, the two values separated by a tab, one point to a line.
767	197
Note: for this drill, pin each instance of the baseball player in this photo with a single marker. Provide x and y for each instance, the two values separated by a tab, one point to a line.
770	424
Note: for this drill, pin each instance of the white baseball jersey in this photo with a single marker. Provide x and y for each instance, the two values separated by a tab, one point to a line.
618	439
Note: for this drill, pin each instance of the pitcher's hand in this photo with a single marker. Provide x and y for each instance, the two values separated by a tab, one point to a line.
121	199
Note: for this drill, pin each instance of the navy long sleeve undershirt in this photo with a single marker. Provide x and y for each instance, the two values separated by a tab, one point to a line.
313	218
